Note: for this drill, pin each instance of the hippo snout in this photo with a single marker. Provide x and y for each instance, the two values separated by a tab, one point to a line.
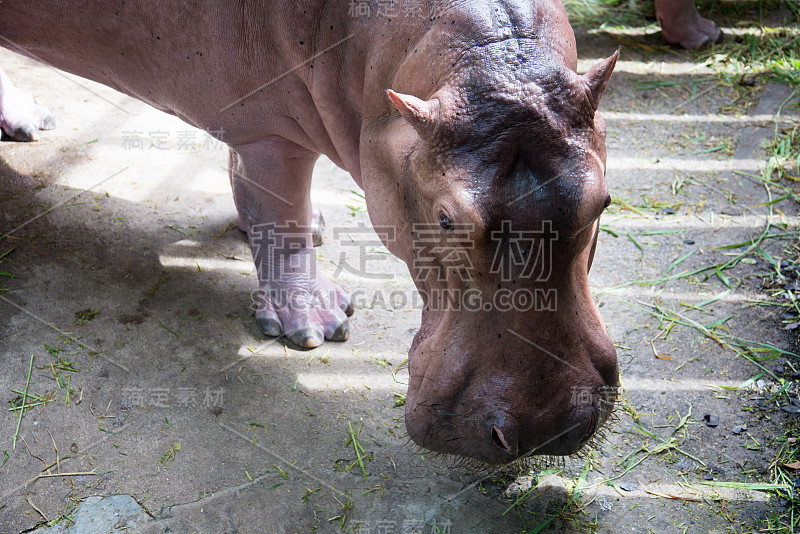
496	407
510	442
497	429
579	427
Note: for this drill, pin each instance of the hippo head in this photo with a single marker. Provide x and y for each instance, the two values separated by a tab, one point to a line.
495	190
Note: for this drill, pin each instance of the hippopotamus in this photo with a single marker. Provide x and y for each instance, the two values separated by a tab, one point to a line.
474	139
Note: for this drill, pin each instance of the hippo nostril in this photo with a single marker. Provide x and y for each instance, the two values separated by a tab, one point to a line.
498	440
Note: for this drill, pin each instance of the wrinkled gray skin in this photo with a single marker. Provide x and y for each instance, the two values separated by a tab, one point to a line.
466	115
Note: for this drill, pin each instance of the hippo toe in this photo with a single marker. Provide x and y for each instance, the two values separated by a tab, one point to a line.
21	117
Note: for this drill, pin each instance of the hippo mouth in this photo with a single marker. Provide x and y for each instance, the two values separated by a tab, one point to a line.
508	451
477	418
589	431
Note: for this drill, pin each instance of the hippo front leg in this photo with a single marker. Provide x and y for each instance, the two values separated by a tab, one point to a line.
20	116
271	181
317	220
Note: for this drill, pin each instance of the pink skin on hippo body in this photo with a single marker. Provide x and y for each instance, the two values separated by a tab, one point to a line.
467	117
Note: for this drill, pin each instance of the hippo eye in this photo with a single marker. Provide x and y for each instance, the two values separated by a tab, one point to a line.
608	202
445	222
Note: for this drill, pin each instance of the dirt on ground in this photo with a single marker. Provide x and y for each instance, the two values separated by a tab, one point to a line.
126	293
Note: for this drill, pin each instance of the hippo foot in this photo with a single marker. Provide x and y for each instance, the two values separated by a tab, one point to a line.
682	25
21	117
306	312
317	227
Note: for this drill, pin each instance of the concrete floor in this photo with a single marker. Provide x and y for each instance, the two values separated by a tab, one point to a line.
177	400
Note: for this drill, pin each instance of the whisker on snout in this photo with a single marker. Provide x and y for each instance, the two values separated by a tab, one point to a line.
459	457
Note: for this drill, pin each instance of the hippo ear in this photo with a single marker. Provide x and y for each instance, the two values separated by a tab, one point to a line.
598	77
422	114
